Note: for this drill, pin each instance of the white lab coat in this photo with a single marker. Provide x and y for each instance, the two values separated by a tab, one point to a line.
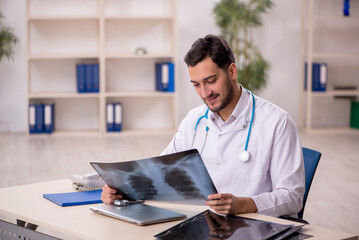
274	174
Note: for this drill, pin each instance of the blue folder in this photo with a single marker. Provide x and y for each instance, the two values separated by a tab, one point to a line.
81	77
95	78
39	118
32	118
49	119
88	78
75	198
118	117
165	83
110	113
319	77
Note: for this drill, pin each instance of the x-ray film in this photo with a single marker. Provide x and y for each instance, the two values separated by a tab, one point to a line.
173	177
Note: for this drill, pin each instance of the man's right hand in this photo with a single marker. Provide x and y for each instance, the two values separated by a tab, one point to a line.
109	195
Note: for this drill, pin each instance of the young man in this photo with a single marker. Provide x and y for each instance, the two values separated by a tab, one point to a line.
268	180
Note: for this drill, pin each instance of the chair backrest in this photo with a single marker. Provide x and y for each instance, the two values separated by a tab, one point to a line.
311	160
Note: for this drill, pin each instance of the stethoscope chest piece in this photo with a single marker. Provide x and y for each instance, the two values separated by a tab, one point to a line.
243	156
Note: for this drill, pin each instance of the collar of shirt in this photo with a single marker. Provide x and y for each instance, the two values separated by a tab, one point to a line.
240	114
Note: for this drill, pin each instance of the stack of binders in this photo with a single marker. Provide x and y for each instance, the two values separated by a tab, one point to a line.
319	77
41	118
88	78
165	77
114	117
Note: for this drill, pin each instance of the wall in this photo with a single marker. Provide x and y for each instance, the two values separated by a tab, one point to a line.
278	39
13	73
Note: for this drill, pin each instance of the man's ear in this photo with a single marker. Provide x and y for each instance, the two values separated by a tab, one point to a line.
232	71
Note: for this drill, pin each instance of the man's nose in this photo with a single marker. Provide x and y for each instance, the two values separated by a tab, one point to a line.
205	91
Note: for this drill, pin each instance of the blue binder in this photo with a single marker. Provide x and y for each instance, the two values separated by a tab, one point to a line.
110	111
39	118
75	198
88	77
49	118
32	118
165	77
118	117
95	78
81	76
319	77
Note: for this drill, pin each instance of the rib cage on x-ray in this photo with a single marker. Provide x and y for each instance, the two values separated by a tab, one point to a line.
172	177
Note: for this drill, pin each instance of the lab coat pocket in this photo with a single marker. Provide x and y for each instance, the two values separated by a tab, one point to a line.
252	169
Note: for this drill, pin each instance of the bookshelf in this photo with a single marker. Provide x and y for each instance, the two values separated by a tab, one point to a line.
64	33
330	37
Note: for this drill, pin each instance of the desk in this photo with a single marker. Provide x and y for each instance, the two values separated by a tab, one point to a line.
26	203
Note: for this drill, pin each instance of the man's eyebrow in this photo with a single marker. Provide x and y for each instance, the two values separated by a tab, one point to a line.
205	79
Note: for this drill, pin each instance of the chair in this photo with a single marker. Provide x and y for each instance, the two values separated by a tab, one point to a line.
311	160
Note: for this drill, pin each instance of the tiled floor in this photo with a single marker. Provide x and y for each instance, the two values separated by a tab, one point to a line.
333	201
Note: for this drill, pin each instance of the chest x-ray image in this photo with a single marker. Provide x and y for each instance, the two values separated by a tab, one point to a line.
172	177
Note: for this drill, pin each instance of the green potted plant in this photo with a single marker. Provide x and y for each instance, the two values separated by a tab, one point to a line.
236	18
7	40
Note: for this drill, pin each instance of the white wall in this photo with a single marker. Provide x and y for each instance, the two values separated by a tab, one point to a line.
278	39
13	73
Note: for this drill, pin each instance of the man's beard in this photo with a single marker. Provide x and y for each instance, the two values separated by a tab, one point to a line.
227	98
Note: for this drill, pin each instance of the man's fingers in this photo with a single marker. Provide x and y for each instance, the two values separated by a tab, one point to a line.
109	195
107	189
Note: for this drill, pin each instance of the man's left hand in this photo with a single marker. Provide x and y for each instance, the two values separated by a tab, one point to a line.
226	203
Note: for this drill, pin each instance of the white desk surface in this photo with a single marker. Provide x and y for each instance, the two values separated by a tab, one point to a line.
26	203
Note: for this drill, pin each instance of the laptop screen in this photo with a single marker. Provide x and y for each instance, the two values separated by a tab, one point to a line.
173	177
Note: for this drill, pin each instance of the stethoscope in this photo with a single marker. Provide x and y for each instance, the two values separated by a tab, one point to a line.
243	155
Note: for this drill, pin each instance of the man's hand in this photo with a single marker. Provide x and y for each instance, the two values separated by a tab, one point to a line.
109	195
226	203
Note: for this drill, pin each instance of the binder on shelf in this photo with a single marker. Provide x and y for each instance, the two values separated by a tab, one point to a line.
39	118
319	77
354	114
81	77
165	77
88	77
32	118
95	78
118	117
49	119
110	117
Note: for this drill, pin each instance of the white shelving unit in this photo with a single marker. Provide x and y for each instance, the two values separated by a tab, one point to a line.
328	36
63	33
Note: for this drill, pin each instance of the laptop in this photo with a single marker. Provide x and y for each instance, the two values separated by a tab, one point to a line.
140	214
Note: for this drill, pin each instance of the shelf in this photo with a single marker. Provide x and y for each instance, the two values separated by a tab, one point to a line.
139	94
61	17
63	55
62	95
335	17
333	130
69	133
169	132
63	34
335	93
331	38
335	55
136	56
116	17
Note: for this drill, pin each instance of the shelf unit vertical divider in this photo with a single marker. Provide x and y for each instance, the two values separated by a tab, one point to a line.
102	63
27	66
309	66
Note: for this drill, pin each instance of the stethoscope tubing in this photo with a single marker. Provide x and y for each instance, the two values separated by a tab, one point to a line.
207	128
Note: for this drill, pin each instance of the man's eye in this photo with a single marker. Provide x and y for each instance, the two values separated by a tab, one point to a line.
212	81
195	85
